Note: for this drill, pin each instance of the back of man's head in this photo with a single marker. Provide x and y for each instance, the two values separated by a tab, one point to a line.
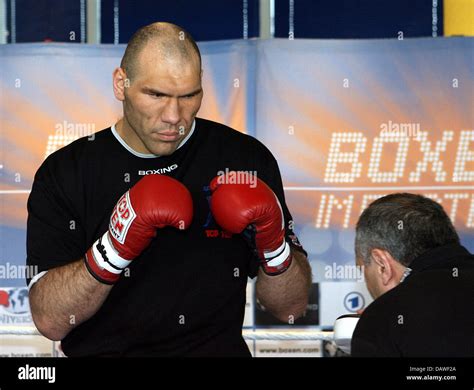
405	225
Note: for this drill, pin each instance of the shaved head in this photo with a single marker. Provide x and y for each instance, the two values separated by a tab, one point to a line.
163	41
159	83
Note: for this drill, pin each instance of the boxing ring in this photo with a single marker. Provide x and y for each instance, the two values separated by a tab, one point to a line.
248	334
275	338
261	342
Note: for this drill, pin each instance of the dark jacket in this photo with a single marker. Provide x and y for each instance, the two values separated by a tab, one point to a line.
430	314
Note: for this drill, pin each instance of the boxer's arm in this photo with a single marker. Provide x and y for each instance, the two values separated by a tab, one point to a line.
286	295
65	297
69	295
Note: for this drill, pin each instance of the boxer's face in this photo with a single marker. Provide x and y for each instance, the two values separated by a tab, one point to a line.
161	103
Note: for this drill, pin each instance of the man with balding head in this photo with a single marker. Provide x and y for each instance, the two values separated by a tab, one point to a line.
146	235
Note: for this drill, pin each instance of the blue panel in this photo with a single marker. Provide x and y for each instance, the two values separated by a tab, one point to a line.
206	20
357	18
13	255
46	20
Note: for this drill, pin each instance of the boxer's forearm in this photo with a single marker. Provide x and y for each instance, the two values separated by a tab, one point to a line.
286	295
64	298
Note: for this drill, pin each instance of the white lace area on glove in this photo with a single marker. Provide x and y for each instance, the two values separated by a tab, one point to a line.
114	259
278	256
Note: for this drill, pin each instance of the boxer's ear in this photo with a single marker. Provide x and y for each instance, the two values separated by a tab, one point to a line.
120	82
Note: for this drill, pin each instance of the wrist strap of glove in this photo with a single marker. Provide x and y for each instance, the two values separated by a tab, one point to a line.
278	261
103	261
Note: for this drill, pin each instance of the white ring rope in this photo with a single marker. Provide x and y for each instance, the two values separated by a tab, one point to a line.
248	334
287	335
19	330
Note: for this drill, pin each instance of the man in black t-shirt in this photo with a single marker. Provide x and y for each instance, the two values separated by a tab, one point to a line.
146	233
422	280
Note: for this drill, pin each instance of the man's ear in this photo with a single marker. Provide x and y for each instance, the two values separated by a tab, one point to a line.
120	82
384	263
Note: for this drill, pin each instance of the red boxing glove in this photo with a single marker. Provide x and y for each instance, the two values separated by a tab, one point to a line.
241	201
153	202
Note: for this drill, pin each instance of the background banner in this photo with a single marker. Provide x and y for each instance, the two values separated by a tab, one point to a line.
348	121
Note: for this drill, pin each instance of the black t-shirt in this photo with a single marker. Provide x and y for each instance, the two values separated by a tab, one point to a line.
185	294
430	314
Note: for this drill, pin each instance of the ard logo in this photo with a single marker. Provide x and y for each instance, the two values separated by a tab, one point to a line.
354	301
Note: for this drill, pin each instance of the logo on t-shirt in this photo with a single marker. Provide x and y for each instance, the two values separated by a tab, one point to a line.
121	219
159	171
